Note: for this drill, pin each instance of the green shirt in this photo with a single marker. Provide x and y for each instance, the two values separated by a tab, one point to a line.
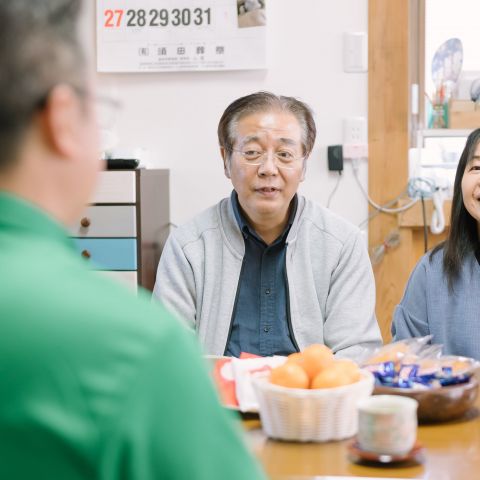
95	383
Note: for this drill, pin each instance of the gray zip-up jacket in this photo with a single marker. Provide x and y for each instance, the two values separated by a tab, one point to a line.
330	279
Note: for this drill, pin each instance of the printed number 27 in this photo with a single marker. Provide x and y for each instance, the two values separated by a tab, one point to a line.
109	16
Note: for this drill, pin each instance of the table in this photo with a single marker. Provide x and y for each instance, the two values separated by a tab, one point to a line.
452	452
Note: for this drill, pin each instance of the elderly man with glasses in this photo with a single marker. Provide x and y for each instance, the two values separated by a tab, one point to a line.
267	271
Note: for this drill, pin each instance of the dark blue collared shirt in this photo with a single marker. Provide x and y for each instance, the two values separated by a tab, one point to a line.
261	315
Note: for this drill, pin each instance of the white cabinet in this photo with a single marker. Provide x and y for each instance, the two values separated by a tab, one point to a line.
123	231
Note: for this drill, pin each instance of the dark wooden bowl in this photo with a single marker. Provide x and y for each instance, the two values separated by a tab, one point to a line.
438	404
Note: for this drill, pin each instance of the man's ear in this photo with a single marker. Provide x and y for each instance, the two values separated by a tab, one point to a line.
226	162
60	120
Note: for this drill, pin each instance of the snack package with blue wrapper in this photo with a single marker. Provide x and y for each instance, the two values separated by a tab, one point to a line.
416	364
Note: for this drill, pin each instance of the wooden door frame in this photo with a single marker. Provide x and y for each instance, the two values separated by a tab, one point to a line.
395	41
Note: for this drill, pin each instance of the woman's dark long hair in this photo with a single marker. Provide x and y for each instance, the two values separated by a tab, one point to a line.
463	236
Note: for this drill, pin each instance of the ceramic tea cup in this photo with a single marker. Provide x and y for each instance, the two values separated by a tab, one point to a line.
387	424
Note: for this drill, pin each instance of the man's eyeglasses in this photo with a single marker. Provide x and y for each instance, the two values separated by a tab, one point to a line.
282	158
106	108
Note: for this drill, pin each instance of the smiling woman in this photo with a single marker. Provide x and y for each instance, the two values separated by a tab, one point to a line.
471	186
441	297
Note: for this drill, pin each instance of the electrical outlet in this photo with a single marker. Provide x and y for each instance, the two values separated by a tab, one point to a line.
355	131
355	150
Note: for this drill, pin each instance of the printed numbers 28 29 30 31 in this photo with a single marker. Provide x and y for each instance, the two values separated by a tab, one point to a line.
158	18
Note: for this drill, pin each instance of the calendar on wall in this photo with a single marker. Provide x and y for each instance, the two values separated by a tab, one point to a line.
180	35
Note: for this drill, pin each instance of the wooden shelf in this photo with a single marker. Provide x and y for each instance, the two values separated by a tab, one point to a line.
413	217
445	132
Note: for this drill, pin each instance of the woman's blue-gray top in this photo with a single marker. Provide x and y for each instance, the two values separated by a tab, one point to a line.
428	307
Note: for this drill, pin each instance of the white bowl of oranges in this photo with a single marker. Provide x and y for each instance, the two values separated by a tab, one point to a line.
312	397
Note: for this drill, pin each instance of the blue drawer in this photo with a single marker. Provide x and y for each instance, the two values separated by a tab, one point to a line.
109	253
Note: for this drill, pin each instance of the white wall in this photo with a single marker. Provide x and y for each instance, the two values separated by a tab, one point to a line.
175	115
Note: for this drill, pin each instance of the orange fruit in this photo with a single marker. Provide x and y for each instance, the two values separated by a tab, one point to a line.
289	375
315	358
349	367
334	376
296	358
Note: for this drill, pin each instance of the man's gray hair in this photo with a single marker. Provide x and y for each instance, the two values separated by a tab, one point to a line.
39	48
264	102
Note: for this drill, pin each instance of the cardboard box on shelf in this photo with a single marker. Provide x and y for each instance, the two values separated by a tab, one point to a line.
464	114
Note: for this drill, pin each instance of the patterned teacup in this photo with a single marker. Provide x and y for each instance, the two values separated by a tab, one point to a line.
387	424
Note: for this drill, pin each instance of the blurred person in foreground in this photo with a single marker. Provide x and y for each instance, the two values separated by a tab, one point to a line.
442	295
266	270
94	383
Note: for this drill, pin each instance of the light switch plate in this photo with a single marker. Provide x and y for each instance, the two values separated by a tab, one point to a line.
355	52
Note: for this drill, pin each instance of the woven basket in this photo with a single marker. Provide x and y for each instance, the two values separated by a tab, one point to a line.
310	415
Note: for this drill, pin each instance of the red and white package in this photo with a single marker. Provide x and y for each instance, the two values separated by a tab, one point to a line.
243	372
233	377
